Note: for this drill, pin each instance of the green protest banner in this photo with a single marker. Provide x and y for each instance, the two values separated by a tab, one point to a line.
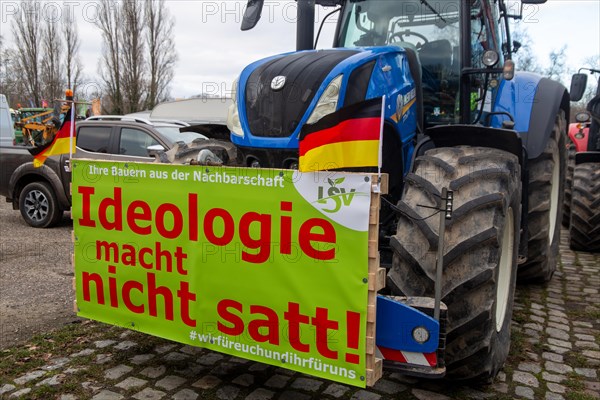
266	265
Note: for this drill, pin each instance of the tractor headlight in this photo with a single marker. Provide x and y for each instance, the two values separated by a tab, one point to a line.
490	58
233	115
327	104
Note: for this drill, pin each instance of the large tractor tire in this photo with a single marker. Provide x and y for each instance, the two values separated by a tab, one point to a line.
566	218
480	253
585	208
546	194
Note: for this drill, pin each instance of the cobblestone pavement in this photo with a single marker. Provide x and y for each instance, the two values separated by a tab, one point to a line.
555	355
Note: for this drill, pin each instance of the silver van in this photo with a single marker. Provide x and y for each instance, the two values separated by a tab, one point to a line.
7	134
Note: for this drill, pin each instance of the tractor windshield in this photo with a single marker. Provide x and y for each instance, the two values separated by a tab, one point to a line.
411	23
430	29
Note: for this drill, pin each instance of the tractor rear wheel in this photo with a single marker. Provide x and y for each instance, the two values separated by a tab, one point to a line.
480	254
585	208
546	193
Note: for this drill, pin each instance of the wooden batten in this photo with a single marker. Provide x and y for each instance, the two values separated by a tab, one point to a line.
376	280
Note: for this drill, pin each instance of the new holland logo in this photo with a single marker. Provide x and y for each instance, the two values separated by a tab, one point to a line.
278	83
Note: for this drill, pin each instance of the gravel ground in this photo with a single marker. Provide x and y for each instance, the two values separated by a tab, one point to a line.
36	291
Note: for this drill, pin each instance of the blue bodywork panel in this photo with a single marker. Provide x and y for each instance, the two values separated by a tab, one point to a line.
396	322
390	77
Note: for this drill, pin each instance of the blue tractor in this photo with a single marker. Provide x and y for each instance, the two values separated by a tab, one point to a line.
457	116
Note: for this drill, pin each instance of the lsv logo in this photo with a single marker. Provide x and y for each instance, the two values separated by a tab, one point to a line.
336	196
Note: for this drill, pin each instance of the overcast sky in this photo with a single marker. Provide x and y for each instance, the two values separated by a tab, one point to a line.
212	50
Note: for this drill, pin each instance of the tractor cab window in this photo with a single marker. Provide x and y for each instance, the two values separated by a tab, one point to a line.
430	29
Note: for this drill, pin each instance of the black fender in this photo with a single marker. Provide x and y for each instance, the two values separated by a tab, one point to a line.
27	173
550	97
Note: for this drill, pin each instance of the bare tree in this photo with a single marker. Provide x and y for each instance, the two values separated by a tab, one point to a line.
72	62
26	30
524	58
132	47
109	21
558	64
161	51
51	71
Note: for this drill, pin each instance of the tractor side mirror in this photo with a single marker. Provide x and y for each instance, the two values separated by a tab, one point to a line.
578	84
252	14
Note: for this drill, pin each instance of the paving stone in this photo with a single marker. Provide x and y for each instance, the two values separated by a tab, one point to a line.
107	395
245	380
175	357
191	350
149	394
535	327
558	334
556	388
227	392
427	395
74	370
207	382
277	381
154	372
103	358
100	344
587	338
185	394
259	367
546	376
131	383
7	387
530	367
587	345
501	377
583	324
56	363
389	387
126	345
536	319
54	380
170	382
557	349
552	357
292	395
336	390
83	353
307	384
224	368
525	378
500	387
30	376
554	396
587	372
210	358
560	324
260	394
20	393
67	397
560	343
557	367
365	395
164	348
140	359
525	392
592	354
191	371
117	372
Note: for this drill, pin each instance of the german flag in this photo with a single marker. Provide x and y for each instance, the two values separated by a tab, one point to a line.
58	145
348	138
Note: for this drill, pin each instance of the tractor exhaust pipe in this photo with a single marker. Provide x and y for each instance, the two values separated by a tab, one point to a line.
305	25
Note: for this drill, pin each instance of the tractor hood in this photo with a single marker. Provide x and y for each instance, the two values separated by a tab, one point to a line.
276	96
276	111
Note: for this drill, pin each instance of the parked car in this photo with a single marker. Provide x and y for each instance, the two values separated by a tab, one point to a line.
42	194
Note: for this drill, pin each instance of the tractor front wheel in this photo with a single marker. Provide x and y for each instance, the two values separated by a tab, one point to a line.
480	253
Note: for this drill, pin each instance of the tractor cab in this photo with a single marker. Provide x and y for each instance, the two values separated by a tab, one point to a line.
431	36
